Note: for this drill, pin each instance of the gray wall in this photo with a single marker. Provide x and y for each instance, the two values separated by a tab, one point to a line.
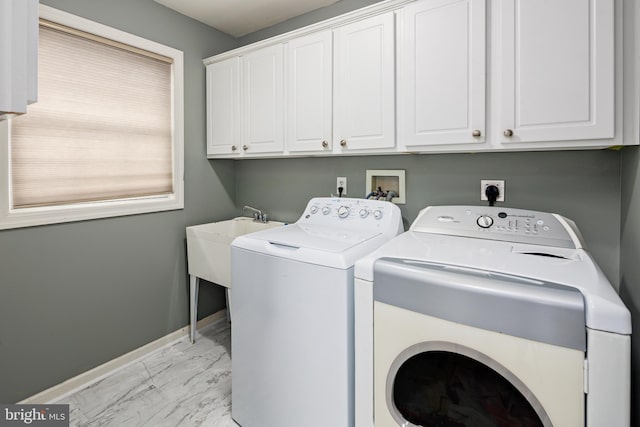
630	204
581	185
73	296
630	265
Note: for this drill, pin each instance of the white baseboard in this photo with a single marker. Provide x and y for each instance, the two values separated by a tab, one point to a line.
60	391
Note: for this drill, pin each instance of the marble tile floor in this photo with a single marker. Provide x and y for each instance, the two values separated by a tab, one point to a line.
182	384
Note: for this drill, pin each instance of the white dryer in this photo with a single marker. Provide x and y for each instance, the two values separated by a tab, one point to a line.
489	316
292	319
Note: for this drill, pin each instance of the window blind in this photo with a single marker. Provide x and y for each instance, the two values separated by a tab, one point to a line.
101	129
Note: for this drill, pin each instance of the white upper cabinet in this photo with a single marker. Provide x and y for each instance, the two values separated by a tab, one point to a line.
441	73
555	65
364	85
223	107
262	101
308	83
472	75
18	56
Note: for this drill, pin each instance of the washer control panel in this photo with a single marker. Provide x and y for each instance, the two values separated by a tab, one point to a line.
497	223
353	213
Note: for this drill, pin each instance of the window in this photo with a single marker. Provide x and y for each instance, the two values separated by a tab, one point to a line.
104	138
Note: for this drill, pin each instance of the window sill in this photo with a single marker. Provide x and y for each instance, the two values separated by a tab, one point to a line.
29	217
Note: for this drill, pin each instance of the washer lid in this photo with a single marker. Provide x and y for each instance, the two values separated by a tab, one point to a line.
314	237
329	247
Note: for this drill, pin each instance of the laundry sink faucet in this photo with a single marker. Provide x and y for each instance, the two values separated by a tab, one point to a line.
258	215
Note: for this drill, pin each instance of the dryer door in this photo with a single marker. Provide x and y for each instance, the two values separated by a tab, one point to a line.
462	347
445	384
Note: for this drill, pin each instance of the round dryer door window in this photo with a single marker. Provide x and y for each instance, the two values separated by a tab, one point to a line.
449	389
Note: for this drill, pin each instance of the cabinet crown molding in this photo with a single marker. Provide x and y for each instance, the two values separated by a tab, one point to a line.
331	23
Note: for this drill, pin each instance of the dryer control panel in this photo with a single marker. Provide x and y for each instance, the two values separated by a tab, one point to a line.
498	223
356	214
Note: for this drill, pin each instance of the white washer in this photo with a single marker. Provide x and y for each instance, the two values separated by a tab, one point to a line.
292	319
494	302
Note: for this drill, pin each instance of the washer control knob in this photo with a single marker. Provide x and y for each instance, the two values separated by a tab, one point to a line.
313	210
326	210
364	213
485	221
377	214
343	211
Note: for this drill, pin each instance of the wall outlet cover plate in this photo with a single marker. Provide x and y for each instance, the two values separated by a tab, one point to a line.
484	183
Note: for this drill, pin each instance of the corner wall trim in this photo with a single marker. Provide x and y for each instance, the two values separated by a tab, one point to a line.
70	386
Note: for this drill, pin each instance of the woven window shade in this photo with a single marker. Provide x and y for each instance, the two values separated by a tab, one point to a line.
101	129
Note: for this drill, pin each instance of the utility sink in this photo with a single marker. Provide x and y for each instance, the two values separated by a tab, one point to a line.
209	256
209	247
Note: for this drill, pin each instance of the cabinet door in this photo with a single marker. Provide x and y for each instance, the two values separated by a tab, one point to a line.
556	65
442	77
364	98
223	107
18	55
308	92
262	101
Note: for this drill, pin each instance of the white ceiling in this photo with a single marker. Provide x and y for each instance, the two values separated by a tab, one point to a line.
241	17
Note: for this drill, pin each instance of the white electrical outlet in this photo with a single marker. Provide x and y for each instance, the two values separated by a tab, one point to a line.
341	182
484	183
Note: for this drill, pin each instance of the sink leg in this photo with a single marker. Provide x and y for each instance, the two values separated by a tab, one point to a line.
194	284
227	293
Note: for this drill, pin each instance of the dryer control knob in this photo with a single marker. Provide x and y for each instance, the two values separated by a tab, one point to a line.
364	213
314	209
485	221
326	210
377	214
343	211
